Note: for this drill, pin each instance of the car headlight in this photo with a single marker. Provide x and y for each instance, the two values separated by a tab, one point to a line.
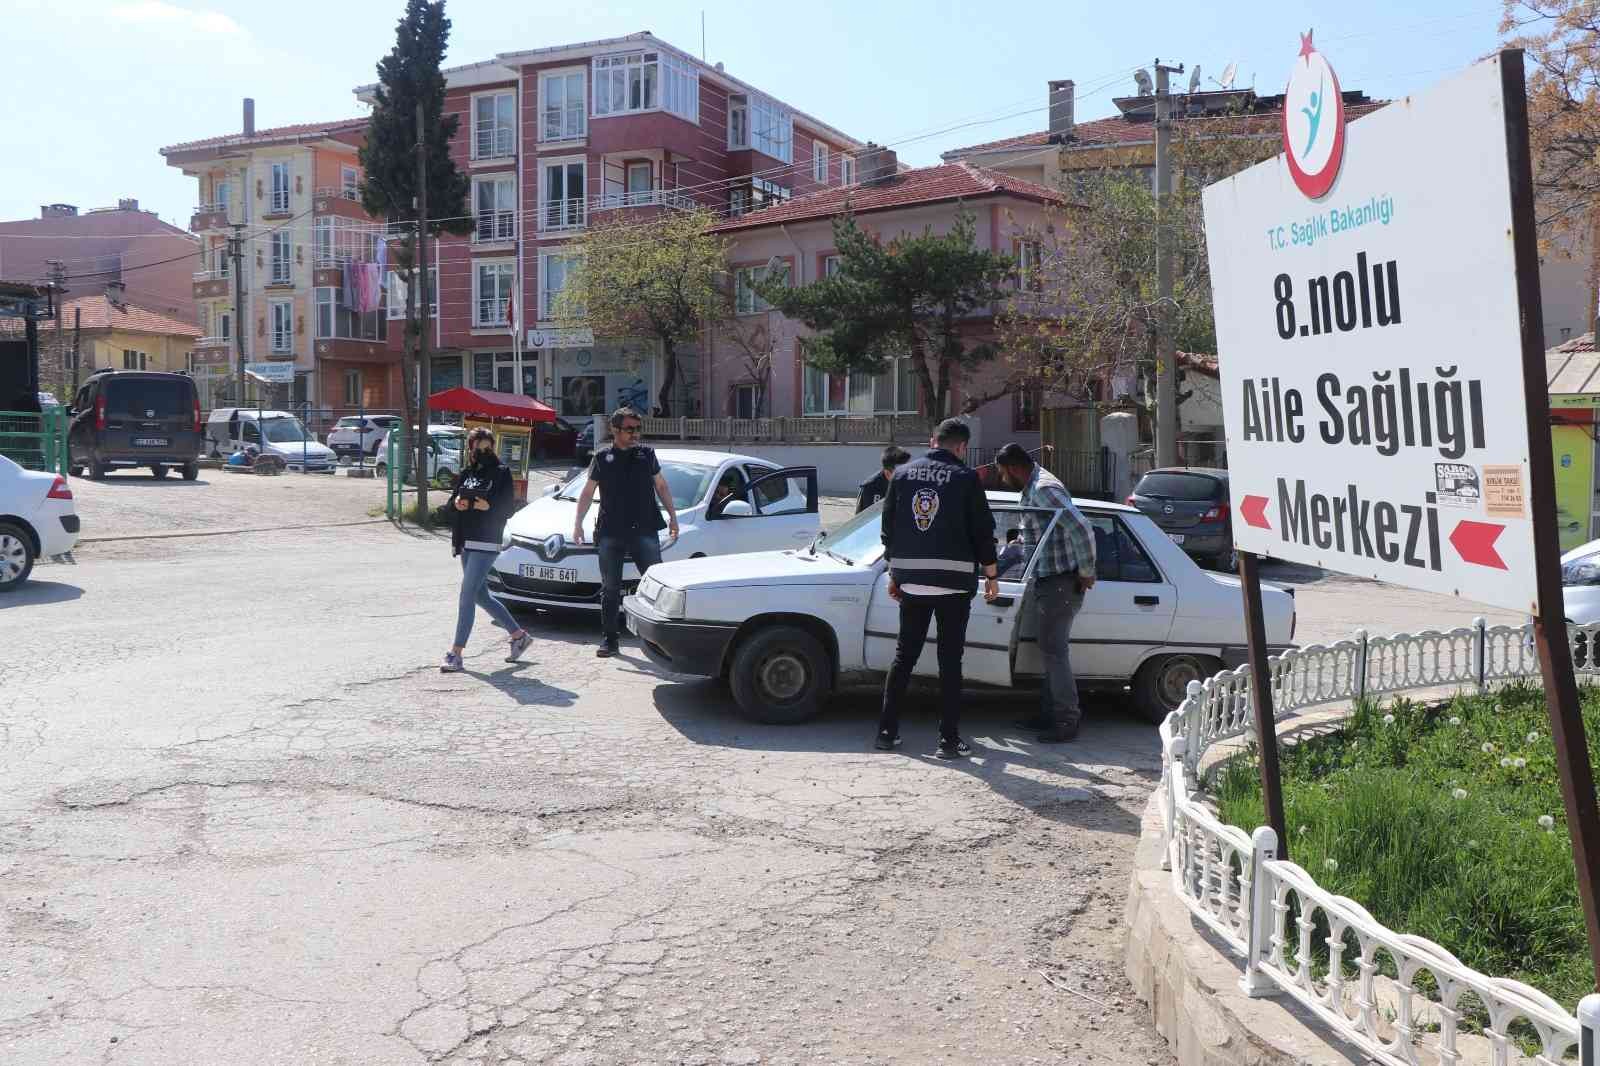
505	540
648	590
671	602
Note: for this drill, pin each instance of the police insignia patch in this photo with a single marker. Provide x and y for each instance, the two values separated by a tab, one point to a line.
924	508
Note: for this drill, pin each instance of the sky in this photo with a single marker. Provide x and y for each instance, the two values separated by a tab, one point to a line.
99	86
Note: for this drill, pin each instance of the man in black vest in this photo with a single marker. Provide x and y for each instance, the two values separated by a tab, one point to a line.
874	488
630	520
937	533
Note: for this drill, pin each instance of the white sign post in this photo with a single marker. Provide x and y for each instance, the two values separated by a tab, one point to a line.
1380	339
1370	348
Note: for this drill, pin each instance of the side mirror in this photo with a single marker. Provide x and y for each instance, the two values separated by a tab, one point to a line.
737	509
551	490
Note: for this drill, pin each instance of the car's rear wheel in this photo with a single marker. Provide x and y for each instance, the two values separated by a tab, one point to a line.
16	556
1163	682
191	471
158	470
75	470
780	675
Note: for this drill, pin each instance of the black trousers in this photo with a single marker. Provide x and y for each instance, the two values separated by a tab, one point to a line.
916	612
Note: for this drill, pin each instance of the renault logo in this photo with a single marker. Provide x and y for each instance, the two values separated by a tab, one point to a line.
1167	509
552	546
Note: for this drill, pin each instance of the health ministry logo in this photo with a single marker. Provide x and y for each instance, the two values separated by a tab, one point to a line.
1313	122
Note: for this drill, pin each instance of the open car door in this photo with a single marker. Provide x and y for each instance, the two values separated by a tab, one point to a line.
775	511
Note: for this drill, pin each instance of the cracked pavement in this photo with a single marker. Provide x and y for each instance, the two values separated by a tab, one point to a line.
245	820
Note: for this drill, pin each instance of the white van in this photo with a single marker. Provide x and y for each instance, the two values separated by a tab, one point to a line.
279	433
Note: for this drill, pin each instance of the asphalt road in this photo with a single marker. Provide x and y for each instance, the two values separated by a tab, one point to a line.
245	820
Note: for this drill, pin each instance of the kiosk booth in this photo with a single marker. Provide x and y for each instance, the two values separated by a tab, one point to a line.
508	416
1572	374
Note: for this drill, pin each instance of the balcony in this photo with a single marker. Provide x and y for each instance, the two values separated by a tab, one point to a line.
343	201
328	269
558	215
209	284
213	351
496	227
493	143
210	217
644	199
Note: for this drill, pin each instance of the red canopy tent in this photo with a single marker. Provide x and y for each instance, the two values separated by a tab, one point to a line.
495	405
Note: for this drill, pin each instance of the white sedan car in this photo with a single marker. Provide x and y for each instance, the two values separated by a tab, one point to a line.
1580	583
36	518
726	504
786	628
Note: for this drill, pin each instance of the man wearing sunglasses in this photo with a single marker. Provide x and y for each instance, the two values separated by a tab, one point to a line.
633	493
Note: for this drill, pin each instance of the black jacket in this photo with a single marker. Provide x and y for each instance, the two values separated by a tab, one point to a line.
477	530
872	490
937	527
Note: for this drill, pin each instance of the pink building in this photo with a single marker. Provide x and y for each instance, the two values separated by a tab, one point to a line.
554	138
888	202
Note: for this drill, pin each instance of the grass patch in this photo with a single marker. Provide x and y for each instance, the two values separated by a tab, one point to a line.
1430	817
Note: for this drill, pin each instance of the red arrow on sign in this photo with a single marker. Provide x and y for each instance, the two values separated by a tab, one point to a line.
1474	542
1254	509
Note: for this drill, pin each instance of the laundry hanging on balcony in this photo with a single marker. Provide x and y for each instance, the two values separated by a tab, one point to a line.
363	286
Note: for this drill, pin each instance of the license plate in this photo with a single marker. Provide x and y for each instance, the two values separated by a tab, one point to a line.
547	573
151	442
1177	538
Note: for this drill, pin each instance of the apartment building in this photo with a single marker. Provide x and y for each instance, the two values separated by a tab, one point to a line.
556	139
292	194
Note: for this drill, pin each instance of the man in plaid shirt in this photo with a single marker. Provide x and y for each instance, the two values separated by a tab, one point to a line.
1063	572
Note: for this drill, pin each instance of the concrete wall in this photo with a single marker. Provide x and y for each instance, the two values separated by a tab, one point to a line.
841	468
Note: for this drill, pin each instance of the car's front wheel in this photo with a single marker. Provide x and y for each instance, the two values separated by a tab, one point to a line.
780	675
16	556
191	471
158	471
1163	682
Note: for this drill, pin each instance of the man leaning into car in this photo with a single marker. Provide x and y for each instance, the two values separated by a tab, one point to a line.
634	494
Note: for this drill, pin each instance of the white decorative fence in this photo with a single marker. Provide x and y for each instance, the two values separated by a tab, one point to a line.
1235	884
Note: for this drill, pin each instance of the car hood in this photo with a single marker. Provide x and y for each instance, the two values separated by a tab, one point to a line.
546	515
309	449
792	567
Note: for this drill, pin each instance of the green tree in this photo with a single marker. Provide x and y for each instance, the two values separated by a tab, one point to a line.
664	281
915	296
408	76
1562	41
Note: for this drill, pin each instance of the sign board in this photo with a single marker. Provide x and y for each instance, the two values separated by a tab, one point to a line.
271	373
539	339
1370	343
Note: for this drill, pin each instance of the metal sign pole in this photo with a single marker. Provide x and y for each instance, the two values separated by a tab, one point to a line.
1549	623
1261	699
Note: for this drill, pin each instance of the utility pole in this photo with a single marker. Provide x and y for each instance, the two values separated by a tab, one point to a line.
77	359
1166	341
424	372
58	282
236	255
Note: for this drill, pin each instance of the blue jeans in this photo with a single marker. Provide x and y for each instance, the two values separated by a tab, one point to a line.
475	593
644	549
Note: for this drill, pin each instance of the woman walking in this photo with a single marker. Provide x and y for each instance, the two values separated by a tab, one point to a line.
481	502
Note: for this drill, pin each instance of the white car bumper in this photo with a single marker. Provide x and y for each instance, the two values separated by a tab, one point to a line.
58	528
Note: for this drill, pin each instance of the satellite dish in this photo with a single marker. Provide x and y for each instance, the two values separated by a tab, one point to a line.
1229	72
1141	78
1194	80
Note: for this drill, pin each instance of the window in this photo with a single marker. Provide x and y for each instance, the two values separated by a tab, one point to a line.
222	192
280	188
847	170
132	360
494	205
761	123
395	294
819	162
493	125
352	388
555	268
282	256
563	194
1030	258
761	193
746	301
562	113
282	325
832	265
645	81
827	393
491	293
1025	409
335	320
350	183
225	325
1118	556
744	402
639	181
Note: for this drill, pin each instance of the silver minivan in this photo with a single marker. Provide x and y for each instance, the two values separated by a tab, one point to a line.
277	433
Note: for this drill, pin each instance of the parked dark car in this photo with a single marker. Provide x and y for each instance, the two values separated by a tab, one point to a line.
1190	504
554	440
126	418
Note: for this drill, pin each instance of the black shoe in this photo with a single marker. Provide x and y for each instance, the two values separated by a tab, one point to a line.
885	742
606	650
1033	725
959	750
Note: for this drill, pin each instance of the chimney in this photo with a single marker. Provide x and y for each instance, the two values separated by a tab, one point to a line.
127	204
249	117
116	293
1061	103
877	164
58	211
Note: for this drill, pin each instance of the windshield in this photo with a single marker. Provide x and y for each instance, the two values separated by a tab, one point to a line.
1180	487
1584	570
688	483
450	442
286	431
859	540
